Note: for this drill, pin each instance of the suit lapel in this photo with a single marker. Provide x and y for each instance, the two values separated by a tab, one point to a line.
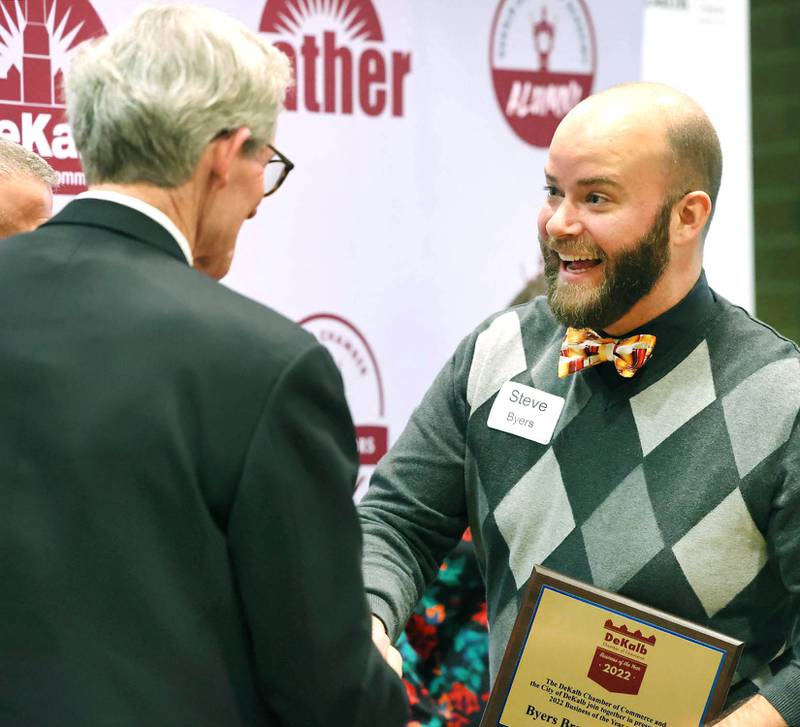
120	219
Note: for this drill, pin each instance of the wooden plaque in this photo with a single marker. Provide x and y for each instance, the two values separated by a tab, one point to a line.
580	656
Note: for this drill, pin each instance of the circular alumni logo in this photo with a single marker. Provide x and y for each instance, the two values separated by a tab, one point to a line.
35	38
543	56
362	384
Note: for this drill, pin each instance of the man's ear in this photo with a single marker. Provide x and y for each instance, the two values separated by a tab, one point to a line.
224	151
691	215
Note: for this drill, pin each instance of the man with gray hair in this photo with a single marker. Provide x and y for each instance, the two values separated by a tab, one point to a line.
26	189
179	541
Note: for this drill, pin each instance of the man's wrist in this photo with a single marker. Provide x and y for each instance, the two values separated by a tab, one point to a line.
382	611
377	618
755	712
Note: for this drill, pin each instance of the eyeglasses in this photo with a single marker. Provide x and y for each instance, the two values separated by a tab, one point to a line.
275	171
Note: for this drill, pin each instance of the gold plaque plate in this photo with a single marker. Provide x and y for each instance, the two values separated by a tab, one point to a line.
580	656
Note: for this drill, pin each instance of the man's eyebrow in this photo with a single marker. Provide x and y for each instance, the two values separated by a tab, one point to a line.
587	181
598	182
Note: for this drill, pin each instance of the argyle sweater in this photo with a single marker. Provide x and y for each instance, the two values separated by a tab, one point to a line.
679	487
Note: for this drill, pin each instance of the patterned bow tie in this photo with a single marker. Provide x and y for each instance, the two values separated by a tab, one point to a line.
583	347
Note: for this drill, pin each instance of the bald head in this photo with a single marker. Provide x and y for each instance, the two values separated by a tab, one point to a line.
660	121
26	189
631	175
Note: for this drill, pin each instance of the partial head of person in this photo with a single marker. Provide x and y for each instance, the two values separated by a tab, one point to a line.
631	180
179	108
26	189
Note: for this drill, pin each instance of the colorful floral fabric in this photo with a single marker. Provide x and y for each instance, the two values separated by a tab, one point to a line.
445	646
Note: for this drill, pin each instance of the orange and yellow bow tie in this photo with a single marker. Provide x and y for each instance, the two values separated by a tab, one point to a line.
583	347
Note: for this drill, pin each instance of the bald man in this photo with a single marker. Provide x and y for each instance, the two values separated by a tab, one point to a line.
26	189
668	465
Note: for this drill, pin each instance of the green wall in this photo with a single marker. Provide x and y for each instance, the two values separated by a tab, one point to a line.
775	76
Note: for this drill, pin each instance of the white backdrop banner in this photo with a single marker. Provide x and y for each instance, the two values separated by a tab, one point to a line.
419	130
703	48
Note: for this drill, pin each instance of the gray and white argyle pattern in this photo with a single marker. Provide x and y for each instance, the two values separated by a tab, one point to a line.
665	496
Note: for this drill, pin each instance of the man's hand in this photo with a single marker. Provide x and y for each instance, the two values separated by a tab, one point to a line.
756	712
384	645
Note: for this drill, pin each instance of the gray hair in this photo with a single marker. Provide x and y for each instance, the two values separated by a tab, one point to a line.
145	100
16	160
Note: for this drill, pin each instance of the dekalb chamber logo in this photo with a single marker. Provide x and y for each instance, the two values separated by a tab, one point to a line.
620	662
338	53
363	386
35	38
543	56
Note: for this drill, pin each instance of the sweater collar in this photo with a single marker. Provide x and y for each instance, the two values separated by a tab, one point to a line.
678	331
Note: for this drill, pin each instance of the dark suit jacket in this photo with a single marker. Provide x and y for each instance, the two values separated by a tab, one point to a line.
178	543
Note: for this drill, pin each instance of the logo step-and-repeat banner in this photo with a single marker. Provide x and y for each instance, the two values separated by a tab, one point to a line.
419	132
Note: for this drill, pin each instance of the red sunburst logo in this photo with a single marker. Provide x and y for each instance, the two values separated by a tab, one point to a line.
35	39
356	18
336	50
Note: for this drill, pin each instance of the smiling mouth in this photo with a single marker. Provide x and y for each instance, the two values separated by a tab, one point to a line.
577	263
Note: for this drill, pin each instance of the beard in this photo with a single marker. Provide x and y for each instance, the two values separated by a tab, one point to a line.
630	274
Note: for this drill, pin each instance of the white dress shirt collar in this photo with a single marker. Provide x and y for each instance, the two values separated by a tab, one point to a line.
146	209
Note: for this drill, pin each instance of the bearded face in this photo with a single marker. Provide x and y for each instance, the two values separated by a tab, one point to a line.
628	275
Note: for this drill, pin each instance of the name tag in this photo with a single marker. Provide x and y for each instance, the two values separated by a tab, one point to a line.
526	412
